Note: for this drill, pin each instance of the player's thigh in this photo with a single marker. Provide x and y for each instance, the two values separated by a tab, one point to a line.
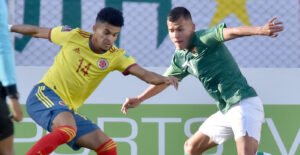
198	143
246	118
92	140
47	109
64	118
246	145
6	146
217	127
87	134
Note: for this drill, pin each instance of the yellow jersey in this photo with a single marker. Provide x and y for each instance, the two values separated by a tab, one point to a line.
77	70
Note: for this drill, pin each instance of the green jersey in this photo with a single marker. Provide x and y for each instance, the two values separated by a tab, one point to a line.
209	60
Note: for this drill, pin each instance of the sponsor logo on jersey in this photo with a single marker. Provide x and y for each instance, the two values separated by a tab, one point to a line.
62	103
102	64
66	28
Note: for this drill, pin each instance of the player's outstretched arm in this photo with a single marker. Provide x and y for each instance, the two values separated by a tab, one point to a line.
34	31
271	29
149	92
151	77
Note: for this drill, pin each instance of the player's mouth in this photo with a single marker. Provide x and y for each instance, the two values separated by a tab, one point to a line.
178	42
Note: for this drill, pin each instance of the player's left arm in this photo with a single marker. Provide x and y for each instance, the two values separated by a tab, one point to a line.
271	29
31	30
151	77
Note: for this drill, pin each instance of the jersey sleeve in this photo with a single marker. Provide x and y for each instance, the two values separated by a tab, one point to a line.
124	63
60	35
176	71
212	36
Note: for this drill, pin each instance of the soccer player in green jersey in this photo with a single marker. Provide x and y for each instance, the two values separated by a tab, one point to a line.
204	55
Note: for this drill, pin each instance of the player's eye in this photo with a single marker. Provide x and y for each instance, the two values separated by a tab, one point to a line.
115	35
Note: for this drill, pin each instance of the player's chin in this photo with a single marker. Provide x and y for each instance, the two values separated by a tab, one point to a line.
107	47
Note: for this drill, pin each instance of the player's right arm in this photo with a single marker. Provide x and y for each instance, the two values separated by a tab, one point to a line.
34	31
173	71
149	92
151	77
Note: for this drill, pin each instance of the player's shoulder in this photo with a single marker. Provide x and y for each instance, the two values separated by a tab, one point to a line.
116	50
201	32
81	33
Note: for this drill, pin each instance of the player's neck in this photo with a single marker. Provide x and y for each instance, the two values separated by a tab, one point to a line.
94	47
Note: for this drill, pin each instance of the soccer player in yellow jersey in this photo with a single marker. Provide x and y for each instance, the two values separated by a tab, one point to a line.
82	63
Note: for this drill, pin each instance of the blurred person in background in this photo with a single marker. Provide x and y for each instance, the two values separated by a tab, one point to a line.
8	87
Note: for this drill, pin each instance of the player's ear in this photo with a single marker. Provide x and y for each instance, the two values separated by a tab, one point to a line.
194	27
94	28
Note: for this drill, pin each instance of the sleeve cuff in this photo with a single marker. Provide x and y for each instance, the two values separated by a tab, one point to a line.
11	91
220	32
49	35
126	72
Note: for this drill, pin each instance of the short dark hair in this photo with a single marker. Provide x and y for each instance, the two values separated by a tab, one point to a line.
110	15
178	12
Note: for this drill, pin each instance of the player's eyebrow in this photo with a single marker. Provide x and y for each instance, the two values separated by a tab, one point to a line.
107	30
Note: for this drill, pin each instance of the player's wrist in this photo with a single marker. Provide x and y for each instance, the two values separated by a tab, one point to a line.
140	99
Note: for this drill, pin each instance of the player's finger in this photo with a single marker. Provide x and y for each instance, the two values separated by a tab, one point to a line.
277	28
124	110
175	84
278	23
272	20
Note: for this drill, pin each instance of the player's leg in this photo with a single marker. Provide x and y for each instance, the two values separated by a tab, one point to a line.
45	108
246	119
6	126
6	146
99	142
198	143
215	130
246	145
90	136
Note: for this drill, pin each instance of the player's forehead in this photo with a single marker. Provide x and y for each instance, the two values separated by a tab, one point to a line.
180	22
109	27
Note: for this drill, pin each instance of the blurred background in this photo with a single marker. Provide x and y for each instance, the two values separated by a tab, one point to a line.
144	35
162	124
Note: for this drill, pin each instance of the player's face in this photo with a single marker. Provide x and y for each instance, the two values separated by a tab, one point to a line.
181	32
104	36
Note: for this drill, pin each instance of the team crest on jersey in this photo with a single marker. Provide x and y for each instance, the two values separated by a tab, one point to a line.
194	51
62	103
102	64
66	28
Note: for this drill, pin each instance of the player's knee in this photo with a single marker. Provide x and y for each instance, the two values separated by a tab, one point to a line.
246	151
69	131
192	148
107	148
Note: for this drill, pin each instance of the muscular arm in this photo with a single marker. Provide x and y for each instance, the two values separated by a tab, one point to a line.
149	92
34	31
151	77
269	29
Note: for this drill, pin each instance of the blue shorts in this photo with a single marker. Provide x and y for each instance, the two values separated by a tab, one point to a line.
43	105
